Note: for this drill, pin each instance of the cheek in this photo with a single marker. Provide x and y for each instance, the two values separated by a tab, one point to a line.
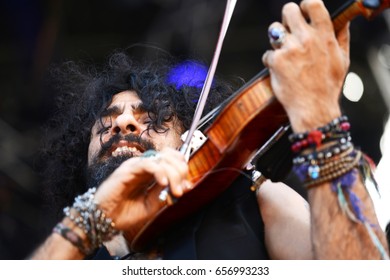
176	141
93	149
171	140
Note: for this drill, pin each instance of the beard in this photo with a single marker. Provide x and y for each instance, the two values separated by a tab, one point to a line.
101	168
98	171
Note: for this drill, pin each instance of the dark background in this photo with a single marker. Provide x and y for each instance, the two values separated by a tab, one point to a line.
35	34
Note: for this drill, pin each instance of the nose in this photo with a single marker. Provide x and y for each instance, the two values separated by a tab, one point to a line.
126	123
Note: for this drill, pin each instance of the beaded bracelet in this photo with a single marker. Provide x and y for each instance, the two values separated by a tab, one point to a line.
335	130
324	155
317	175
91	219
323	164
338	124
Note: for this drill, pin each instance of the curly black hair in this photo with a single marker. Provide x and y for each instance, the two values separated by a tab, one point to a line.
85	91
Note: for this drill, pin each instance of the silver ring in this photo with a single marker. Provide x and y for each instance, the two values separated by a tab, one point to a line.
166	198
163	196
276	36
152	154
149	153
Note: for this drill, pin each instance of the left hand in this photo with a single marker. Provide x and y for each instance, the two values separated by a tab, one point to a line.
308	70
130	195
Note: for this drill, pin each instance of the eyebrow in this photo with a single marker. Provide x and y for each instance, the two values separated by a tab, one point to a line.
116	110
139	107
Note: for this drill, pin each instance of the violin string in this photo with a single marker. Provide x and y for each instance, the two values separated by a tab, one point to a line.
209	117
241	172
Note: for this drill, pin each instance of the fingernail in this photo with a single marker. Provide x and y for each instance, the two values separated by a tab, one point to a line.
164	181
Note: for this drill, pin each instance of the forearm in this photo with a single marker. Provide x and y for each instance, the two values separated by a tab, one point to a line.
334	234
343	219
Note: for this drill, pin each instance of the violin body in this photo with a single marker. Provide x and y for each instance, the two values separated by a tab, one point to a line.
241	128
244	125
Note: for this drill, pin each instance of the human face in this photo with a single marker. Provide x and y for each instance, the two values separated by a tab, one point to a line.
124	117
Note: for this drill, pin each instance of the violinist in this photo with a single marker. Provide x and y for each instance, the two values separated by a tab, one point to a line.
114	151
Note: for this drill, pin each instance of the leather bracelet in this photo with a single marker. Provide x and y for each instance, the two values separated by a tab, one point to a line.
73	238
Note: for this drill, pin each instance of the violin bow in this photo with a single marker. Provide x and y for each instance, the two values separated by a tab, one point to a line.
165	194
230	4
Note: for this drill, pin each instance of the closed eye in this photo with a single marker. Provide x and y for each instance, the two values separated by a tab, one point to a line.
103	130
147	121
103	125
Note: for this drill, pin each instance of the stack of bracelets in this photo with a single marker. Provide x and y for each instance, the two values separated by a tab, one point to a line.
87	215
327	154
331	153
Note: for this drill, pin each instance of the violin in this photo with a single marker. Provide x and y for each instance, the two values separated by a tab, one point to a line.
246	122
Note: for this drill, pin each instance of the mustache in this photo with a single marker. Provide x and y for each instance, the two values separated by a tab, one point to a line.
130	138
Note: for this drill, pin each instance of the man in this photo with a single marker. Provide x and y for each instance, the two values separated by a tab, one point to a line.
137	112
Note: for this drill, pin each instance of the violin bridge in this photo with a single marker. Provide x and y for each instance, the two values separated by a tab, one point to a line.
197	140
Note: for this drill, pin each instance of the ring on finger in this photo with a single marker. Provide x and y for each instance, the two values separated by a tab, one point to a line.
165	197
277	36
152	154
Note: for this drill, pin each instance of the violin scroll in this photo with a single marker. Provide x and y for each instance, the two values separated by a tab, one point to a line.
375	6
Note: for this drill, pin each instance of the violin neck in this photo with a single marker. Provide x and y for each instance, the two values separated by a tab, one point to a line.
350	10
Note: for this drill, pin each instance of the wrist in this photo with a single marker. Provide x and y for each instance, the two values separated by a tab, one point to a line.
325	153
306	120
72	226
69	231
85	224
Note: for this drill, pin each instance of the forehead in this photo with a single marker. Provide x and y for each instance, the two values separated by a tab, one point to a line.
125	97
